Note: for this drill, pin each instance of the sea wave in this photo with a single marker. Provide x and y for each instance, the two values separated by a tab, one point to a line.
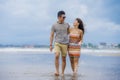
83	51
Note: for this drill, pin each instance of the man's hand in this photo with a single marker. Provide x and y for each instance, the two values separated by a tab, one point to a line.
51	48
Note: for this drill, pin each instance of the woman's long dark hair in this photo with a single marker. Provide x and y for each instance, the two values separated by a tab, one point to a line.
81	25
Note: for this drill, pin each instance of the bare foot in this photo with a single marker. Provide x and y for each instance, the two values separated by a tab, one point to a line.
74	73
56	74
62	74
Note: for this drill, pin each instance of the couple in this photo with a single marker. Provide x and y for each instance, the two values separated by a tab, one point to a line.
67	40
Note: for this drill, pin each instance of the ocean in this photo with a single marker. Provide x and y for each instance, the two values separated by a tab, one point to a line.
33	65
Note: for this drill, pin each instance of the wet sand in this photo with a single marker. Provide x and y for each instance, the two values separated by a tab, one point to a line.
34	66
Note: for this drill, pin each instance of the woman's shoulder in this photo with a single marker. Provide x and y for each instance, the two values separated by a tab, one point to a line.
80	31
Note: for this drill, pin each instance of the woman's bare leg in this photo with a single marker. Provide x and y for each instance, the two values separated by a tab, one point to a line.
76	61
72	63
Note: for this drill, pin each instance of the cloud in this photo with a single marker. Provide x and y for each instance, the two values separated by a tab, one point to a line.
25	8
97	24
31	19
76	9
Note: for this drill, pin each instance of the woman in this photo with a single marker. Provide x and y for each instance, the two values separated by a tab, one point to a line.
76	37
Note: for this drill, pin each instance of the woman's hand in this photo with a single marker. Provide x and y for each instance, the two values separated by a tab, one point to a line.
80	43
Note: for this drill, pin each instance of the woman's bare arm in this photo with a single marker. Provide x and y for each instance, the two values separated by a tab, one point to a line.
81	37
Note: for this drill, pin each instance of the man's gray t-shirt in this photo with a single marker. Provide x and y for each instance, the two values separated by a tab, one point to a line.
61	32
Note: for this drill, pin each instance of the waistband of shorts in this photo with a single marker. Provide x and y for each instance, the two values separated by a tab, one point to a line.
62	43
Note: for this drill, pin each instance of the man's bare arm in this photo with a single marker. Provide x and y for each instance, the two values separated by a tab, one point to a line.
51	40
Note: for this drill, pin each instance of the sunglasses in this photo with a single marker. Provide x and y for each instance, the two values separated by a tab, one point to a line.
63	17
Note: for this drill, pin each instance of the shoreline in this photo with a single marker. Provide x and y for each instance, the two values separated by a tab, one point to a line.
99	52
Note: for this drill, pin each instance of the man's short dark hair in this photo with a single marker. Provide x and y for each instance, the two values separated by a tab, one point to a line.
60	13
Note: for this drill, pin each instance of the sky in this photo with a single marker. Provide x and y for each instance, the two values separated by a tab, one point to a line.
30	21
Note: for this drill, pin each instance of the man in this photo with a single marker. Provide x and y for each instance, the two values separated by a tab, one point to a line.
60	29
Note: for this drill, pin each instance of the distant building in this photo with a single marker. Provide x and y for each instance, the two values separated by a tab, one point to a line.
102	45
106	45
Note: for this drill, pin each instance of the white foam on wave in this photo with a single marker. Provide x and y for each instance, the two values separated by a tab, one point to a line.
24	50
100	51
83	51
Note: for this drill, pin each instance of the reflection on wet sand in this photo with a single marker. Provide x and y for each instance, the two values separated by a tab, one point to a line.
66	77
74	77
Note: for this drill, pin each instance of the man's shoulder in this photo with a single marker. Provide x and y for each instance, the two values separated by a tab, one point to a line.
54	24
67	24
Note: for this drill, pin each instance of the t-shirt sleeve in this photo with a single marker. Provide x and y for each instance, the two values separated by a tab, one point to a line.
53	28
68	29
68	25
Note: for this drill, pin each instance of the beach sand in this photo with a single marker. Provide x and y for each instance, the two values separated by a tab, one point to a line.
40	66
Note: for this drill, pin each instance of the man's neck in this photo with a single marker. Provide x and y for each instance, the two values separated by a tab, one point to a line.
60	22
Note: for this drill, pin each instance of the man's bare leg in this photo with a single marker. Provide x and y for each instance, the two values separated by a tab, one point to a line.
57	63
63	64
